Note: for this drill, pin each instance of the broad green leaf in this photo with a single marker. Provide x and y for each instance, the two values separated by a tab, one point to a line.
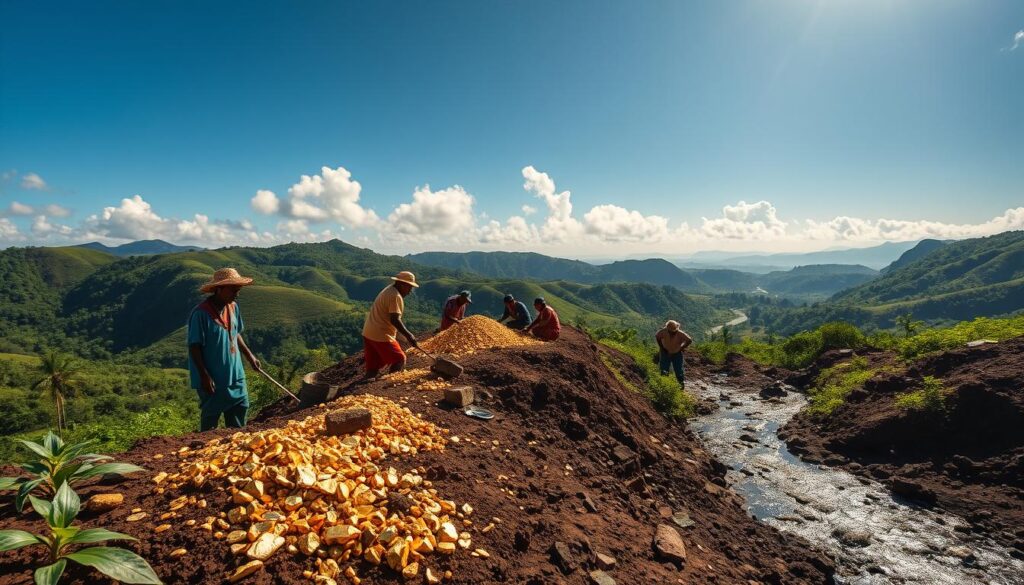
15	539
105	468
9	483
36	468
50	574
37	449
43	507
23	492
67	472
91	535
65	534
116	563
65	506
72	451
53	442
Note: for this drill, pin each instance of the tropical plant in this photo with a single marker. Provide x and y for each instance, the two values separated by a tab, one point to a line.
60	463
726	335
931	397
60	379
117	563
908	325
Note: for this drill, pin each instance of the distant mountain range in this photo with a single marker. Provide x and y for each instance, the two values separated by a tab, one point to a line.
875	257
816	281
936	281
140	248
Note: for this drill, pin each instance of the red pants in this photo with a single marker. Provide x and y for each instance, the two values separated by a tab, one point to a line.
547	334
380	354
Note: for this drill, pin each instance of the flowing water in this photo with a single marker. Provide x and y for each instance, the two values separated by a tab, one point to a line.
873	536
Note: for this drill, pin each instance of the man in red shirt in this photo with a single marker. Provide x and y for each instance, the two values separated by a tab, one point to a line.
546	326
454	309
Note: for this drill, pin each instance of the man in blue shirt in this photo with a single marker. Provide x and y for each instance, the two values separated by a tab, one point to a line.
214	347
517	312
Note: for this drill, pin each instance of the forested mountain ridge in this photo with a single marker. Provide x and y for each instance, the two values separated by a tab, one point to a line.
135	307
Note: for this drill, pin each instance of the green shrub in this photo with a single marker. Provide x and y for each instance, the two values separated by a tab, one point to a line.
931	397
932	340
800	350
840	335
834	384
663	391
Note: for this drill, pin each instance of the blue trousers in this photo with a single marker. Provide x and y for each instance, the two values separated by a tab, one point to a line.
674	360
234	417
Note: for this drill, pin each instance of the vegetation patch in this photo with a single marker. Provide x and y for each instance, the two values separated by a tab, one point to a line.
931	397
834	384
663	391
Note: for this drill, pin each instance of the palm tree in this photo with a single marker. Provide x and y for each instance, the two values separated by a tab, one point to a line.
60	378
726	335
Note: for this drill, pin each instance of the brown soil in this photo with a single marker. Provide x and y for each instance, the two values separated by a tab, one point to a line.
968	460
569	438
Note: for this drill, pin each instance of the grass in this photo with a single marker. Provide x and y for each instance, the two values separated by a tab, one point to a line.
269	306
932	340
663	391
834	384
931	397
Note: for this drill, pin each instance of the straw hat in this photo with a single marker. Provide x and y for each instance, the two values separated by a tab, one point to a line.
672	326
225	277
406	277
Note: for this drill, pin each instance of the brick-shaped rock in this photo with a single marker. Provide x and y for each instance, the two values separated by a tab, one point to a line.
344	422
459	396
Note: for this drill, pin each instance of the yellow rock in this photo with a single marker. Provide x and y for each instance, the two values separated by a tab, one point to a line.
372	555
292	503
341	534
245	570
158	478
239	548
448	533
265	546
136	517
446	548
432	577
103	502
237	515
178	552
162	528
398	554
410	571
482	553
309	543
235	536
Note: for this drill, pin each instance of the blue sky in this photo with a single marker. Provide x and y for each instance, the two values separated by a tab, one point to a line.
676	126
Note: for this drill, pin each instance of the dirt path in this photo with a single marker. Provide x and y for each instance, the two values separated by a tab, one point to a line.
741	317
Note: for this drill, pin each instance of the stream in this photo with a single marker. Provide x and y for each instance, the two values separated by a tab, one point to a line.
873	537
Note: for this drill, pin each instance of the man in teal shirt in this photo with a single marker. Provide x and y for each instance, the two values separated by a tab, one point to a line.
214	346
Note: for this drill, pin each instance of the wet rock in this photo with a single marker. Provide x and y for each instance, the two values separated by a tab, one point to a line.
669	545
746	437
776	389
912	489
852	536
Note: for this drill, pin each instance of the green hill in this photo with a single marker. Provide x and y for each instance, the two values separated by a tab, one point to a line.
922	249
134	308
539	267
958	281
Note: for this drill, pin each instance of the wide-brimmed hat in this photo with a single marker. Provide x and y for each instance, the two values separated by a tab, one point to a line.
465	294
225	277
406	277
672	325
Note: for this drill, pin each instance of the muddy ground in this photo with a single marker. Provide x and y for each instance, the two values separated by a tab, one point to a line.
588	463
968	459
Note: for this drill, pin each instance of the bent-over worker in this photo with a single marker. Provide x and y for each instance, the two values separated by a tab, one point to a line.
546	325
454	310
382	325
672	341
214	346
516	312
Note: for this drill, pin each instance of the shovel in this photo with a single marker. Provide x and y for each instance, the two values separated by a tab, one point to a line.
443	366
278	384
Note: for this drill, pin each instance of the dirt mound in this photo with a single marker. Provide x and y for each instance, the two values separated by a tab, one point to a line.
968	458
573	466
474	334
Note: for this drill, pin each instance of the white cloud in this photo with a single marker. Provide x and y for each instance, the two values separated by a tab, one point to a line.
41	227
856	229
54	210
1018	38
441	213
745	221
616	224
559	226
135	219
8	231
529	210
33	181
265	202
16	208
330	195
515	231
